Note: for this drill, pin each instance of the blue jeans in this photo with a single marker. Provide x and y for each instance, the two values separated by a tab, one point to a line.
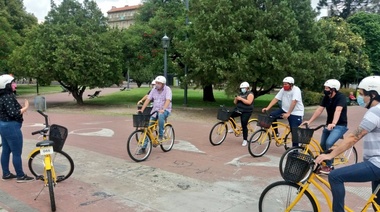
12	140
329	137
360	172
294	121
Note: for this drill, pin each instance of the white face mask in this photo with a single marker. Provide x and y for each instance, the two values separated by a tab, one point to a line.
243	90
158	86
360	101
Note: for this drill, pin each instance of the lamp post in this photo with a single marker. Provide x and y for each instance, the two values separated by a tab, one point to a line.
165	45
185	87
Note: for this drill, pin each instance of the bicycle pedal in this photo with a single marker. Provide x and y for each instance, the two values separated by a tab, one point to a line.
40	177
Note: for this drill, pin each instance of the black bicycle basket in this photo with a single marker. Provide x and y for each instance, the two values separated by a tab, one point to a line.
58	135
264	121
302	135
223	114
297	166
141	120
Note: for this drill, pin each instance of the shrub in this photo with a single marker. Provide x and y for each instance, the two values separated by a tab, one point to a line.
311	98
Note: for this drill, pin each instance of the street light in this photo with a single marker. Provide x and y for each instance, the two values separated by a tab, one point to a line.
165	45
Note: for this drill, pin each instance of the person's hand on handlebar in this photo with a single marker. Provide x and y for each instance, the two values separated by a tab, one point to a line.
264	109
307	123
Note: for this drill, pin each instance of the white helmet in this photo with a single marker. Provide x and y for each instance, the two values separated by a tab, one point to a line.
244	85
160	79
333	83
5	79
153	82
371	83
289	80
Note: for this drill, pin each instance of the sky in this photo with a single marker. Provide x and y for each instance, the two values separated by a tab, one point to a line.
41	8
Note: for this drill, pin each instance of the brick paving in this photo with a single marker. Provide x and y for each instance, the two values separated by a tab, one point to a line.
194	176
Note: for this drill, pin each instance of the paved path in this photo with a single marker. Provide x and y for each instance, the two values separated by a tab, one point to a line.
194	176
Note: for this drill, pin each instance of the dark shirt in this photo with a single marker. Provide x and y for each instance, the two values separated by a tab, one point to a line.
10	109
330	104
243	107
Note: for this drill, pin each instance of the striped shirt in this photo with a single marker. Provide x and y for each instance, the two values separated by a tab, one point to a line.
371	146
160	97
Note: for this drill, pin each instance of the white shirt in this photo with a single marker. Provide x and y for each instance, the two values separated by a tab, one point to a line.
287	97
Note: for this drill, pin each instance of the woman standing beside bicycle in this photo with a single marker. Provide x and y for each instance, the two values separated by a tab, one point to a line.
369	130
244	108
11	119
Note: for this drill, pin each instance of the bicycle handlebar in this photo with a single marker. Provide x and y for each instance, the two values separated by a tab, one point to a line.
46	128
315	129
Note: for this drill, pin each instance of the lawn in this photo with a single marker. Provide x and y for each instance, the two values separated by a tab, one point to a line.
132	96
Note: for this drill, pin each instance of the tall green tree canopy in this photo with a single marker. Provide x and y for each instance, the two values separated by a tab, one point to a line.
260	42
74	47
345	8
368	26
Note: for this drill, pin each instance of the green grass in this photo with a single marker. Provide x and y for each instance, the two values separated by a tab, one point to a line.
130	97
194	98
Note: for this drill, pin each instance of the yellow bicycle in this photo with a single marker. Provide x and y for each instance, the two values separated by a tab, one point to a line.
219	131
141	141
311	146
292	195
260	141
47	161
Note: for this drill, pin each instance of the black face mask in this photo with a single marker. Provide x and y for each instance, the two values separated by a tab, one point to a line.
327	93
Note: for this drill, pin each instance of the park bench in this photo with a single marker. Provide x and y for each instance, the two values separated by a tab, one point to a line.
96	94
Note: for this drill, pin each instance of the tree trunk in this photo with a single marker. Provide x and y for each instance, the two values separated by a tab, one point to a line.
208	95
78	98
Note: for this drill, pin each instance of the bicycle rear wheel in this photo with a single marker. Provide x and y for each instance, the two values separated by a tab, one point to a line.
139	148
169	136
284	158
349	157
63	165
259	143
218	133
279	195
51	189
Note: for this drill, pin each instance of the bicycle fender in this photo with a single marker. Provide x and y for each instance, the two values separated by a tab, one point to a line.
33	151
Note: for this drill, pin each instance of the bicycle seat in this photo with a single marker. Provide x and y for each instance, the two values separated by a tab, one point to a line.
45	143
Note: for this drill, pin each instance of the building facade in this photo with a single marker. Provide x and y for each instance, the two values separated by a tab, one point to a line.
122	17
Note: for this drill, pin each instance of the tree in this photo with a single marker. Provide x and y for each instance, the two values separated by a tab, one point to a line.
14	23
260	42
368	26
74	47
143	49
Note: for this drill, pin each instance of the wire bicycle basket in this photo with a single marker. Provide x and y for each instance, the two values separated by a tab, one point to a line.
302	135
223	114
297	166
264	121
58	135
141	120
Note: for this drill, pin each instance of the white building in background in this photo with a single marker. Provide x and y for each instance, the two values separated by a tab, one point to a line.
122	17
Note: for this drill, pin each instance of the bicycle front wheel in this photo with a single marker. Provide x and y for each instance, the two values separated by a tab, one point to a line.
63	165
169	136
218	133
259	143
279	195
51	189
284	158
139	145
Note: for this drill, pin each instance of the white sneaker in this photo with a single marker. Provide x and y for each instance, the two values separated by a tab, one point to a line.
230	131
244	143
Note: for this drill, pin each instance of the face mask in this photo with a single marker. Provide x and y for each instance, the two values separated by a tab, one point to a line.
286	87
327	93
13	86
158	87
360	101
243	90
